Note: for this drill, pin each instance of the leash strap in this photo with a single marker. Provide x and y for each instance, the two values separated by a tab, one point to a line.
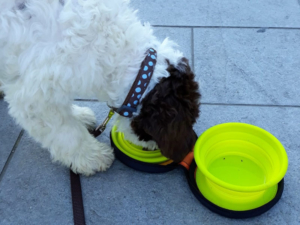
77	201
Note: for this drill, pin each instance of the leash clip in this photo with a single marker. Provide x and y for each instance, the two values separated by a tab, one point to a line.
99	130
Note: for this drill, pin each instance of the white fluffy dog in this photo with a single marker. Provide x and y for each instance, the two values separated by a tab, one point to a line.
52	51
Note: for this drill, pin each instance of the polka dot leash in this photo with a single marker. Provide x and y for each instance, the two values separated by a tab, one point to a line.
139	86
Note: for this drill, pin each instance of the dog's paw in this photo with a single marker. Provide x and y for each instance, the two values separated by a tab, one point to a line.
100	158
85	115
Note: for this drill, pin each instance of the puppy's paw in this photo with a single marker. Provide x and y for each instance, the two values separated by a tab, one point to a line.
85	115
99	158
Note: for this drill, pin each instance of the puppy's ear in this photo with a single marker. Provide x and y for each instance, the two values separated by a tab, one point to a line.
168	113
183	66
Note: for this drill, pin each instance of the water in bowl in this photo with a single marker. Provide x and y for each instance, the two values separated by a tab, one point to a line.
237	170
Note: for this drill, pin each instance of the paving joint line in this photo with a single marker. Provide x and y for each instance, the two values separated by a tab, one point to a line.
11	155
250	105
218	104
85	100
193	47
228	27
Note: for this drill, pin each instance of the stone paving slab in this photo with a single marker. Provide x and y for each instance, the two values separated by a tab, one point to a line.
248	66
254	13
34	190
9	133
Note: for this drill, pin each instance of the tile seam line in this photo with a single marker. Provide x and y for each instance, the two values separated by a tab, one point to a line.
251	105
12	152
228	27
216	103
193	48
85	100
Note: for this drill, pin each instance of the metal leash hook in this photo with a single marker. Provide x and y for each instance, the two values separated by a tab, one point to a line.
99	130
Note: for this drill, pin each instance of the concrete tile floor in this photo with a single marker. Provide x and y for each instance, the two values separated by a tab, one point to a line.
246	58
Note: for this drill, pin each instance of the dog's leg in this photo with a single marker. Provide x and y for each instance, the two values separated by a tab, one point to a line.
62	129
85	115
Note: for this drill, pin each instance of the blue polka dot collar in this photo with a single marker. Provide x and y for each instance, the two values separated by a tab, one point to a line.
139	86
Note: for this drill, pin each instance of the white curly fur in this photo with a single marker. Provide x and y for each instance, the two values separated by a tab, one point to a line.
52	51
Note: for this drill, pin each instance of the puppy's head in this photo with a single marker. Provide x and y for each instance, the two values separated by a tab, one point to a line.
169	111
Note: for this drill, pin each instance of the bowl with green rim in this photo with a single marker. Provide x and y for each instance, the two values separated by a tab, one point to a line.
136	157
239	166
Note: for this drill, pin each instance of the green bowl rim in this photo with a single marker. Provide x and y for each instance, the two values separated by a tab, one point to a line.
134	151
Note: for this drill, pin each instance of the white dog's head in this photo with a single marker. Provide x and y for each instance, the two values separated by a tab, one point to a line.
167	114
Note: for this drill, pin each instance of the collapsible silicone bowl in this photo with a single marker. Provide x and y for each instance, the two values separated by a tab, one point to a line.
240	167
135	157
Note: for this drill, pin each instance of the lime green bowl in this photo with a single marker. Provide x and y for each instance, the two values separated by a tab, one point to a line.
239	166
136	152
